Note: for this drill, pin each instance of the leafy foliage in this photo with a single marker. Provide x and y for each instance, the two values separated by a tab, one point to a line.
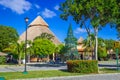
102	53
89	42
82	66
71	45
16	49
109	44
43	46
100	13
59	49
45	36
2	59
7	35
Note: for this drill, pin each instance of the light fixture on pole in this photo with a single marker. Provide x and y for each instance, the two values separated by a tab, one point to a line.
26	21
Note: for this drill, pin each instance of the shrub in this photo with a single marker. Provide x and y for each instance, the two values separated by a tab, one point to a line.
2	60
102	53
82	66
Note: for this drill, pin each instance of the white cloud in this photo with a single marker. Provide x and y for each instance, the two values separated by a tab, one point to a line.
57	7
18	6
38	13
37	6
48	13
79	30
82	30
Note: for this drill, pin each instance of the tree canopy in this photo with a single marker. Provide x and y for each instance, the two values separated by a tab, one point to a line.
71	45
45	36
7	35
99	12
43	47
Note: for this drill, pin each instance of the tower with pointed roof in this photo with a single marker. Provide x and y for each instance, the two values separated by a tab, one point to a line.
36	28
71	45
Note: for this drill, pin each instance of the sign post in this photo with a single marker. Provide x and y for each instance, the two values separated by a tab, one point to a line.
116	45
117	59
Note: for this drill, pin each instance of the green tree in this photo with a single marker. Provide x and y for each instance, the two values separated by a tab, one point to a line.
99	12
89	44
43	47
16	49
71	45
59	48
109	44
45	36
102	51
7	35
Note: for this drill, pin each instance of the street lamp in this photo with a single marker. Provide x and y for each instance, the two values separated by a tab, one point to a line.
26	21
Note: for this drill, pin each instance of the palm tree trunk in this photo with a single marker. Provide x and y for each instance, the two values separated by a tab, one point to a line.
96	43
28	58
53	57
19	60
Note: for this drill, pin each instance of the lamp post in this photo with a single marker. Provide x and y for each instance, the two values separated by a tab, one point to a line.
26	21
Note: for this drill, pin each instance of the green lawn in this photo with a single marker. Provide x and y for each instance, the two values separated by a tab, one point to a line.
106	70
48	73
36	74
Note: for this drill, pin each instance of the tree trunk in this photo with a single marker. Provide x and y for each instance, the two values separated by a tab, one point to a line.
48	58
96	43
53	57
19	60
28	58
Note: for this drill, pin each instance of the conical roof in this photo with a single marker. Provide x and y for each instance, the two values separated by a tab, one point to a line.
37	27
38	22
80	46
80	40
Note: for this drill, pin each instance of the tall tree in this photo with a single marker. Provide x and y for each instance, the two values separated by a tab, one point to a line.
100	12
71	45
7	35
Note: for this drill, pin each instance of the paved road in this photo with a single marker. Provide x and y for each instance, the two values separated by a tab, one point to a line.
115	76
33	67
38	66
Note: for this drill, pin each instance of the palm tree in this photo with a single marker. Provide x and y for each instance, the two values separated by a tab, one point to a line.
16	48
89	44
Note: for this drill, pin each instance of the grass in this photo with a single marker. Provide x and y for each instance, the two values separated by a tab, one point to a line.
36	74
48	73
107	70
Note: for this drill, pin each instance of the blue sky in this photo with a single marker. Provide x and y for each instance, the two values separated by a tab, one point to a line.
13	12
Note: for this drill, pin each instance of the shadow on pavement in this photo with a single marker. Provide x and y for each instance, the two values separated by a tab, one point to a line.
46	65
107	65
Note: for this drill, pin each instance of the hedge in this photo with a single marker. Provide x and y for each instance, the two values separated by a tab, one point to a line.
2	60
82	66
